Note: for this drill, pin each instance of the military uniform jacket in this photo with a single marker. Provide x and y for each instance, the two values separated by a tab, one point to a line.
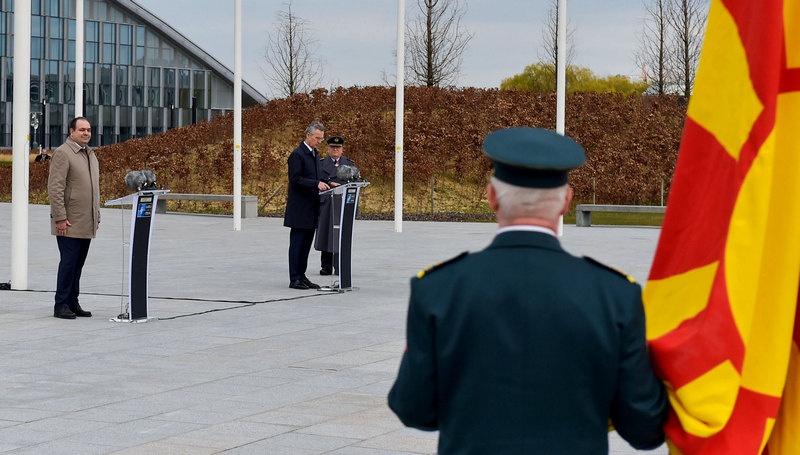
328	216
302	200
329	169
524	349
73	186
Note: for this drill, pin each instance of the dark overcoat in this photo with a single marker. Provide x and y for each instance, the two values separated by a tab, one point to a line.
328	215
302	200
524	348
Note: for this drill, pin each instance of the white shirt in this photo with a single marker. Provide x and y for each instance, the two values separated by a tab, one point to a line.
527	228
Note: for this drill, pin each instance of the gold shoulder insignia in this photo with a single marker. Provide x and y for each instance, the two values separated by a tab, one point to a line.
608	267
431	268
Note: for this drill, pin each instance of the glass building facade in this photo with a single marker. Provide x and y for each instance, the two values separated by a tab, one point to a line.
141	77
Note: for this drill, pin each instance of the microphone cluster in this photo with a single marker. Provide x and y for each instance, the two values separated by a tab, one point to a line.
141	180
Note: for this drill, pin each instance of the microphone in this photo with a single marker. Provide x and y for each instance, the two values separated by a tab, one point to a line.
348	173
134	180
141	180
149	179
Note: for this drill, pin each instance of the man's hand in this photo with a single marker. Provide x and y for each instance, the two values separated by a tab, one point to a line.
61	227
323	186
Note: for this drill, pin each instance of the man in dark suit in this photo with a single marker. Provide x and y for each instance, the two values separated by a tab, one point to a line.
522	347
325	241
302	204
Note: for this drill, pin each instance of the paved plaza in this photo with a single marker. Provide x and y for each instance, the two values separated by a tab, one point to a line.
234	362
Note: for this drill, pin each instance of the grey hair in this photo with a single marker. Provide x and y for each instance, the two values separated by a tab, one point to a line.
520	202
315	126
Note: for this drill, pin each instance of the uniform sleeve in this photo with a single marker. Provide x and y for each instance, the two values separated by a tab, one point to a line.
56	185
640	405
413	396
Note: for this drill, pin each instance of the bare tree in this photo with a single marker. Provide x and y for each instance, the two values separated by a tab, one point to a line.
290	56
654	45
436	43
687	19
550	38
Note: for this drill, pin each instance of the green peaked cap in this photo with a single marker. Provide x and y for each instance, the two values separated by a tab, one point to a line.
532	157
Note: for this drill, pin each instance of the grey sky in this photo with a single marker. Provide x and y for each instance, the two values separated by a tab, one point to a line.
356	38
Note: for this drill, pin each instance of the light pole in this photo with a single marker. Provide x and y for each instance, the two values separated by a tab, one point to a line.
45	138
35	126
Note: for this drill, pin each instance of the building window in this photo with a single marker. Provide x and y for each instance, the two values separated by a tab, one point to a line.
36	80
125	44
124	124
107	131
152	54
122	86
140	45
51	8
89	83
37	37
157	120
92	33
109	43
71	40
137	86
200	88
51	82
56	39
183	88
3	34
169	87
167	54
68	69
154	87
141	121
106	95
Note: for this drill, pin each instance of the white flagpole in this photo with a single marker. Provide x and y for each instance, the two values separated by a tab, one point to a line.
237	117
561	79
398	117
79	58
20	145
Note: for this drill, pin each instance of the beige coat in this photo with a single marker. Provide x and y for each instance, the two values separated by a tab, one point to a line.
74	190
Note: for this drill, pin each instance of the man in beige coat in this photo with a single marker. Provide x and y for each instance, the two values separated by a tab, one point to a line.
74	190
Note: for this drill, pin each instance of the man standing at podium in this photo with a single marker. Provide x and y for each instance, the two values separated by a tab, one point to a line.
302	204
74	190
325	242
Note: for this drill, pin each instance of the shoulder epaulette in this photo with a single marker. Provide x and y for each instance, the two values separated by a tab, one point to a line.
607	267
438	266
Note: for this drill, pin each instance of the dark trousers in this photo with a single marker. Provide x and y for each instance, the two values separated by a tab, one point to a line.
329	261
68	284
300	241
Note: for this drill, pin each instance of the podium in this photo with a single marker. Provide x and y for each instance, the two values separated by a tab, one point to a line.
143	205
343	209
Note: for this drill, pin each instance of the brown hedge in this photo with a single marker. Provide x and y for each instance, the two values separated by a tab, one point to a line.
631	145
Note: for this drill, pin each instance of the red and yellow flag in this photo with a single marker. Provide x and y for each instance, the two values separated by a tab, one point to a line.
722	295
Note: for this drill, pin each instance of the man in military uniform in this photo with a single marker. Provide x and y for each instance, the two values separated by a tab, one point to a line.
325	240
522	347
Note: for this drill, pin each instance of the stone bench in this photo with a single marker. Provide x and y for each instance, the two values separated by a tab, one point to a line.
583	212
249	203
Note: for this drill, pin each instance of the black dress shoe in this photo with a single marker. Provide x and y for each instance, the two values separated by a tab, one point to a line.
63	313
80	312
325	272
309	284
297	284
